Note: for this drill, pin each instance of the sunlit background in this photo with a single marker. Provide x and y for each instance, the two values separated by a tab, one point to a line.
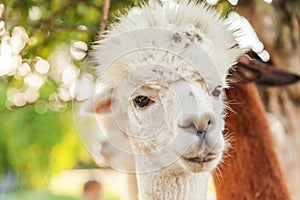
42	46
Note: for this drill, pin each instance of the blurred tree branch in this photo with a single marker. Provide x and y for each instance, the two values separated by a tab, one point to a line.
105	12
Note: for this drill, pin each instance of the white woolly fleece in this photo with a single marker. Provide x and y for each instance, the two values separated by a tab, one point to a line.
185	35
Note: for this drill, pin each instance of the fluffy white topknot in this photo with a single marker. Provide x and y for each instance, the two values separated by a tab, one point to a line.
187	36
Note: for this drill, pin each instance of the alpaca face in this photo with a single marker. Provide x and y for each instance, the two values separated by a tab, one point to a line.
169	120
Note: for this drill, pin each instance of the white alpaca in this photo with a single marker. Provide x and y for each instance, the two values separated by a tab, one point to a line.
162	67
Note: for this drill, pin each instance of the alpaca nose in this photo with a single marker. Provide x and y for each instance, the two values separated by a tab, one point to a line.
203	123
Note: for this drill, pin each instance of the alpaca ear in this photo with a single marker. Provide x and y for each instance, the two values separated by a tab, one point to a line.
99	103
249	70
244	72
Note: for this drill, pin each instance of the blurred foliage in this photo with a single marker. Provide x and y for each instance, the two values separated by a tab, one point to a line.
36	146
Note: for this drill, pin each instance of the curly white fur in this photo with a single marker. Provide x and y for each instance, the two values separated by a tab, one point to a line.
188	22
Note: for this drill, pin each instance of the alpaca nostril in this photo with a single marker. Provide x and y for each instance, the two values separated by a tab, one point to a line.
201	134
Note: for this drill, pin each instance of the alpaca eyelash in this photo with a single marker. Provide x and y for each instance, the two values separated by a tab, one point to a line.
217	91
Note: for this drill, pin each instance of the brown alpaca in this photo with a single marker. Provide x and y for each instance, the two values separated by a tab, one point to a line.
252	170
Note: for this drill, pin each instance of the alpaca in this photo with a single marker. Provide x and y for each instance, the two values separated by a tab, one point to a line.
252	154
166	67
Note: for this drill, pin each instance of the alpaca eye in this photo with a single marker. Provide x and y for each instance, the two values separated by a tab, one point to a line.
142	101
217	91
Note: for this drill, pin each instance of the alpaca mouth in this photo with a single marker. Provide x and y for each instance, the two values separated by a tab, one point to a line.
204	159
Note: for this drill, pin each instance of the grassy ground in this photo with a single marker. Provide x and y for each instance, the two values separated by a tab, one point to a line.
35	195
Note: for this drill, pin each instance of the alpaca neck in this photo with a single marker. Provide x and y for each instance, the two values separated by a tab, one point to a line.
163	185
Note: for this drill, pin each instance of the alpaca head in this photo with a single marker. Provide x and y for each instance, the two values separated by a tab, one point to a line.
163	113
164	67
